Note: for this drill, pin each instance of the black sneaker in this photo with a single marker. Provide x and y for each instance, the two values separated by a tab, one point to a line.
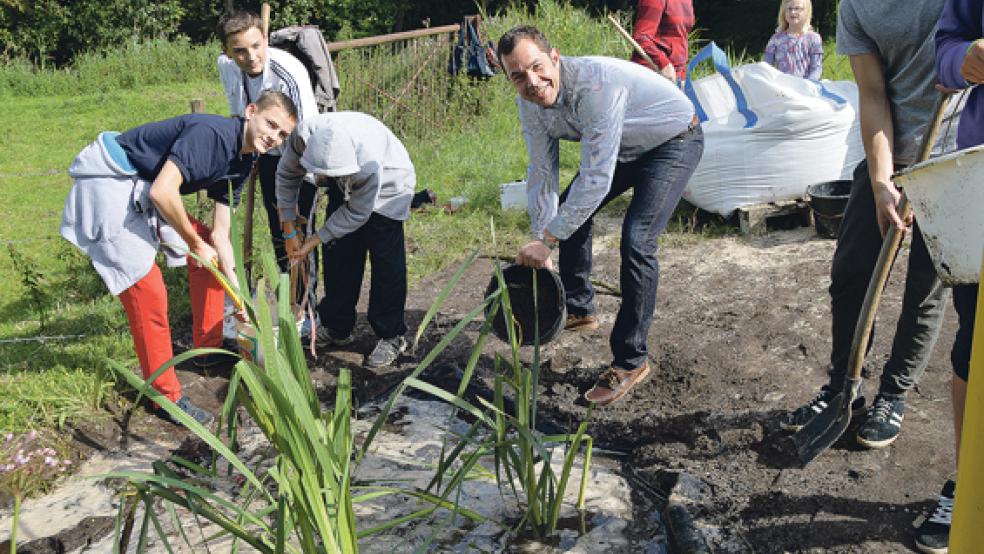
797	419
933	535
196	413
324	337
884	422
214	360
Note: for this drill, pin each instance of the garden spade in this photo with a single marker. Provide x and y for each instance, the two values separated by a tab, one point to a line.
824	429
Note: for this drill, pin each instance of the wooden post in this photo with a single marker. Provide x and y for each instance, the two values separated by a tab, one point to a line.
249	204
968	506
198	106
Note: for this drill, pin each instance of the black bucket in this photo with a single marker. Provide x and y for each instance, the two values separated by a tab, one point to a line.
828	201
551	312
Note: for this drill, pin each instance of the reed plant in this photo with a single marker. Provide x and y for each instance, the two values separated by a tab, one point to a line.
303	502
505	426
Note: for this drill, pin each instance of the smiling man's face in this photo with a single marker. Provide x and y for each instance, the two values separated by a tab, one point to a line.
534	73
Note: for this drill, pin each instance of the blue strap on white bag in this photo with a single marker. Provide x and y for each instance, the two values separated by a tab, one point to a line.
825	92
720	61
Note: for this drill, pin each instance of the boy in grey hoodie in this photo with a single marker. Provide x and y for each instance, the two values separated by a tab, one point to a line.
370	181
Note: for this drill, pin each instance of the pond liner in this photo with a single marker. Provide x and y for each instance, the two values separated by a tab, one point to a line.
685	537
447	377
87	532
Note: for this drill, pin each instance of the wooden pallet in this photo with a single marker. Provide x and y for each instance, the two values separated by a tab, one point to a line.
754	220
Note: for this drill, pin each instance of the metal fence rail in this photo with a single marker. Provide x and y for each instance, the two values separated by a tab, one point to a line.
401	78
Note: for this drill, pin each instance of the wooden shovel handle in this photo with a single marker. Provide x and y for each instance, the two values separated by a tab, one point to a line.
632	41
890	247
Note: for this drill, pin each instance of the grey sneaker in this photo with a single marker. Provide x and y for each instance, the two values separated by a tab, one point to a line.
884	422
196	413
325	338
933	535
797	419
386	351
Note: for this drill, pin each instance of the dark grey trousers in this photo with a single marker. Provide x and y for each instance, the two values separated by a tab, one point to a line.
923	302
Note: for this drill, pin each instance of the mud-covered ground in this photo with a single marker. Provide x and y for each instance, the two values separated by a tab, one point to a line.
739	337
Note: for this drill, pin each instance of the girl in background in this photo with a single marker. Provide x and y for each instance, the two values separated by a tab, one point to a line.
795	48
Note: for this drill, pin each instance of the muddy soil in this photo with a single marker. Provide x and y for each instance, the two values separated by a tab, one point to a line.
739	337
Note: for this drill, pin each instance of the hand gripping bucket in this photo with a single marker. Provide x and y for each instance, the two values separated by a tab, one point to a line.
551	309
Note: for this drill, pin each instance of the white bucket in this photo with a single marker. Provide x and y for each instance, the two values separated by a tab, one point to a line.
947	196
513	195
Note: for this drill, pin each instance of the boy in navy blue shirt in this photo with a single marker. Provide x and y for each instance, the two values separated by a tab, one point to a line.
126	205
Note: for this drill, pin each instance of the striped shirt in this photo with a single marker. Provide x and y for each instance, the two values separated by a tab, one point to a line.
661	29
283	73
618	111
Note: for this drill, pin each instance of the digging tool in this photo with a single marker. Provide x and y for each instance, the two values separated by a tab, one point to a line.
824	430
632	41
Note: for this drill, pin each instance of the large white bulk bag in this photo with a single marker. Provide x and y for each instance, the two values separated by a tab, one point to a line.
769	135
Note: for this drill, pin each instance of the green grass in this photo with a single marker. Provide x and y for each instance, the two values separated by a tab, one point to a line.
50	381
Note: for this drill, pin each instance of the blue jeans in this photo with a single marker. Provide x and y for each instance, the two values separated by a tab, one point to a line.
657	178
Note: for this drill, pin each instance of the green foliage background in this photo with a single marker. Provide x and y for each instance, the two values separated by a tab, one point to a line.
50	32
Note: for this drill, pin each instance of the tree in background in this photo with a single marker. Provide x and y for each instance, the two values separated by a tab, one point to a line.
50	31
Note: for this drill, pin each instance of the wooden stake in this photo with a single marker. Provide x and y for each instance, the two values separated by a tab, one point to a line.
198	106
632	41
249	204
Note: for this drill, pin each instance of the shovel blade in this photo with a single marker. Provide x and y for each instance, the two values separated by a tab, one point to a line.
824	430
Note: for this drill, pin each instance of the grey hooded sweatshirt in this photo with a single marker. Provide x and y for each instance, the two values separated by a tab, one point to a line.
367	160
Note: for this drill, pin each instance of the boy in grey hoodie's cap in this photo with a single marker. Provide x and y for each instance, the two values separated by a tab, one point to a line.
367	174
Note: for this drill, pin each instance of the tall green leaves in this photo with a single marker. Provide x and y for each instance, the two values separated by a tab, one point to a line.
505	425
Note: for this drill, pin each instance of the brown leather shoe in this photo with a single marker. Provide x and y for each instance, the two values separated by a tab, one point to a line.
581	323
614	383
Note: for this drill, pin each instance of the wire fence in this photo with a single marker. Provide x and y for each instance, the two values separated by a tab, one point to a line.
401	79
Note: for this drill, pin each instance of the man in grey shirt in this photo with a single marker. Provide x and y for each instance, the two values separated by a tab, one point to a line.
637	131
890	45
370	181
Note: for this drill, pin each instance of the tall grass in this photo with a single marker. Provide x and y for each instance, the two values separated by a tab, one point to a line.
134	65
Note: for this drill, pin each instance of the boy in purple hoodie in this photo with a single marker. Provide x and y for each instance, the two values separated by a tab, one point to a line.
959	64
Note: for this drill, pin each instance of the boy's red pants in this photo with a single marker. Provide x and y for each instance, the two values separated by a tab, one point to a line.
146	309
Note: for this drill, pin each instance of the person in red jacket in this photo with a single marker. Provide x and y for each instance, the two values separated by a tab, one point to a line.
661	29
